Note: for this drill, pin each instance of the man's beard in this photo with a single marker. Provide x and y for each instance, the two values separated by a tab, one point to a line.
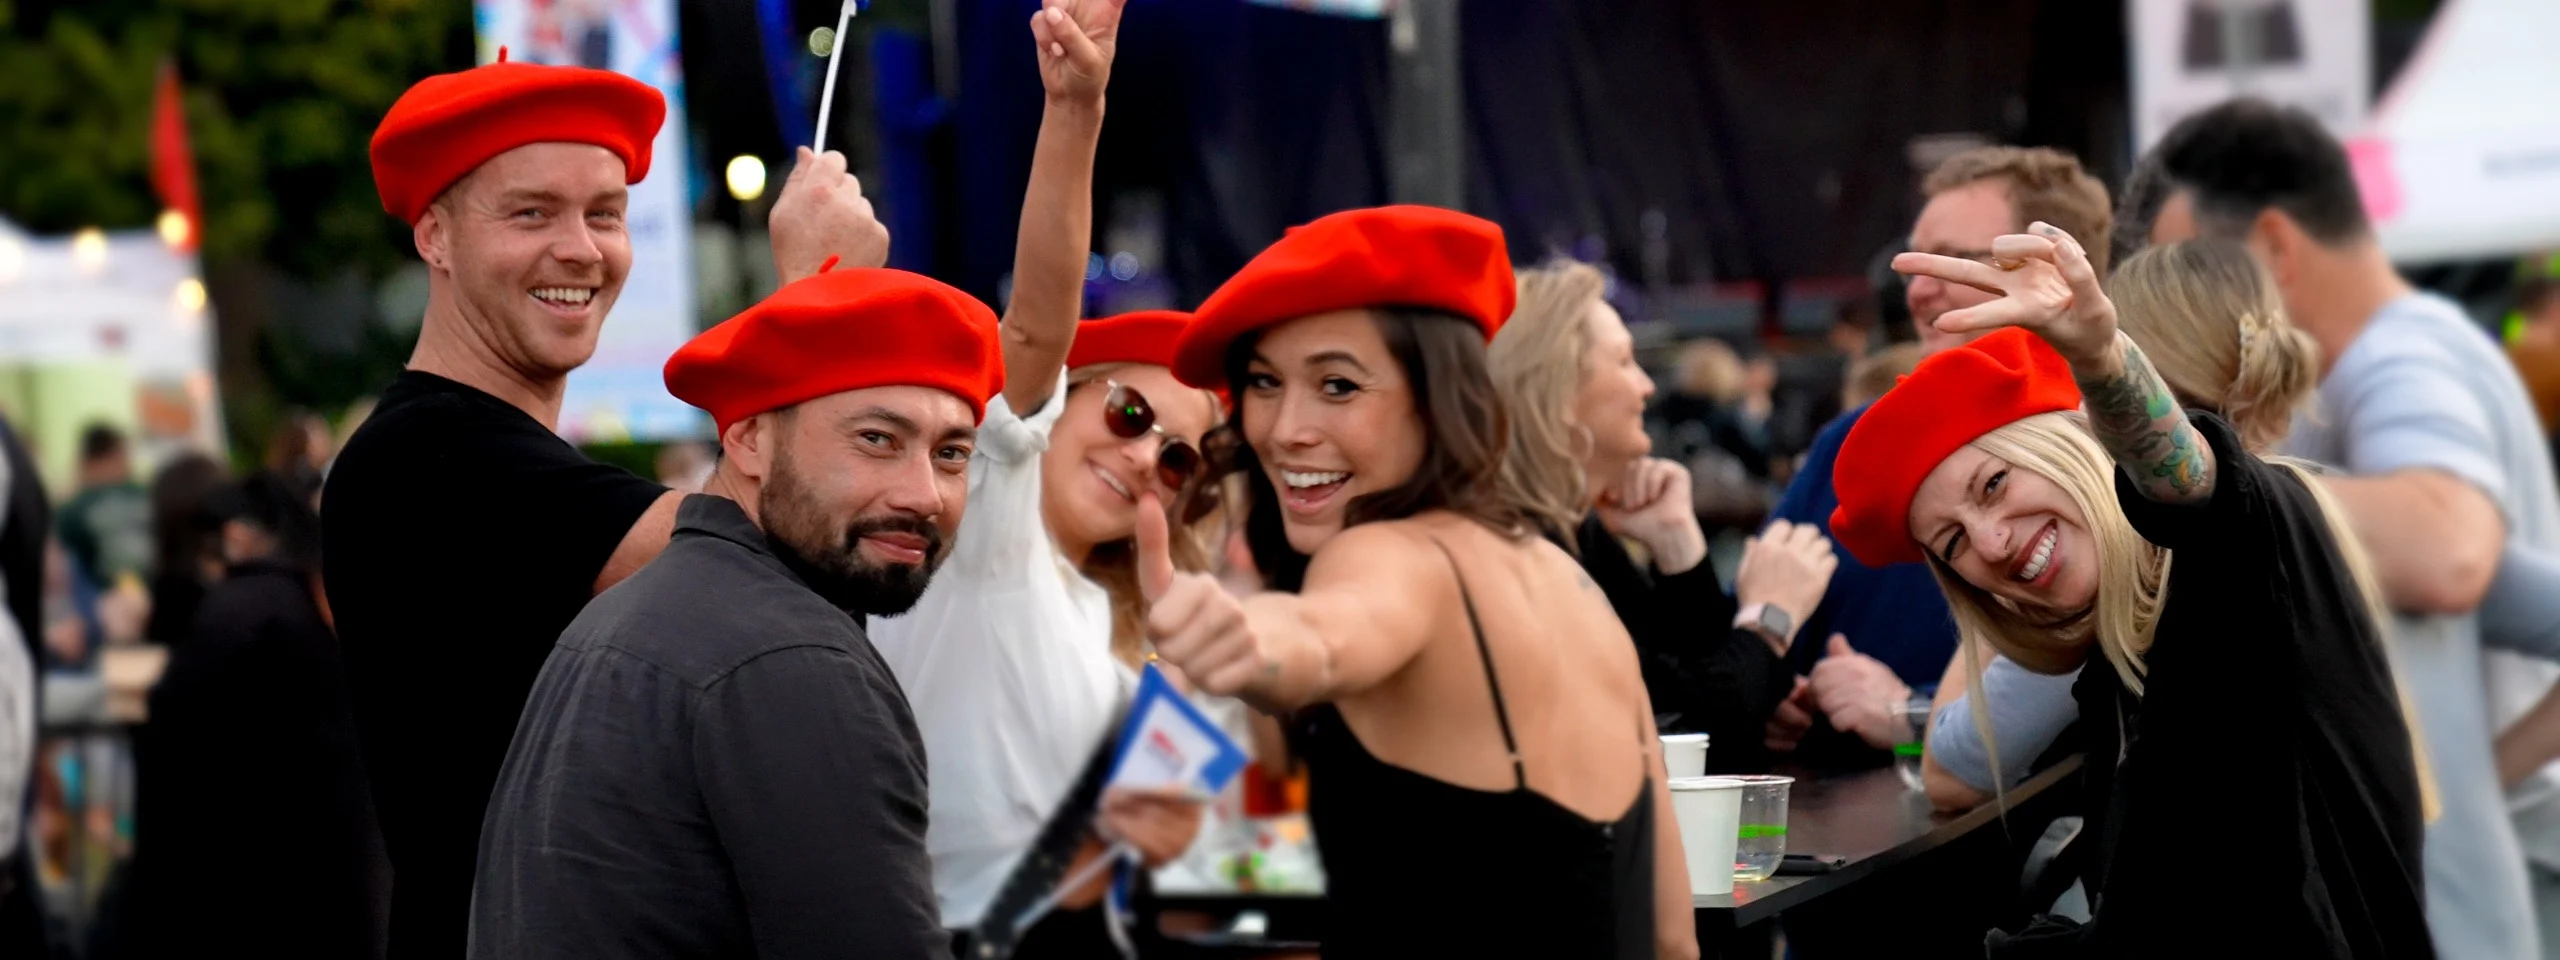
829	559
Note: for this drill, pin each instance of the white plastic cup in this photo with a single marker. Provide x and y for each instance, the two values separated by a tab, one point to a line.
1685	754
1710	816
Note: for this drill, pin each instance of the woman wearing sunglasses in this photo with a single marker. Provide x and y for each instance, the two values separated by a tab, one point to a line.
1486	780
1022	653
1007	659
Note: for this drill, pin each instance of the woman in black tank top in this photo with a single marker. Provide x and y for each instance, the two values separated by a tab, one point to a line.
1354	349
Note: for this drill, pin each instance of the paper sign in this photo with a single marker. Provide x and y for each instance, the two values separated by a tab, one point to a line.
1168	742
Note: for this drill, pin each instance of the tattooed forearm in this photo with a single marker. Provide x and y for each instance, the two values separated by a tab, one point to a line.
2141	426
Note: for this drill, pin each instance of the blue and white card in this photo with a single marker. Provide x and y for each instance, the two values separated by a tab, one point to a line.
1168	742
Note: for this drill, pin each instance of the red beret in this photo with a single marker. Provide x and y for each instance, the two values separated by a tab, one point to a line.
1950	400
451	123
1142	337
837	331
1404	256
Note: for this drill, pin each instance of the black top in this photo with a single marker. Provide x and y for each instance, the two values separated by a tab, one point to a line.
460	537
254	828
1703	674
2267	752
1416	866
714	763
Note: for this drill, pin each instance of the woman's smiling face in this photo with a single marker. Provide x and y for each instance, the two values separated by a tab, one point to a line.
1330	413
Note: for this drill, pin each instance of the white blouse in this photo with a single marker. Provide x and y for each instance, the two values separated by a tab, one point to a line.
1007	663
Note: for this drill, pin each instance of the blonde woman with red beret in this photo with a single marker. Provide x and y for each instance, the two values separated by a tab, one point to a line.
1486	779
2239	710
1009	659
1021	658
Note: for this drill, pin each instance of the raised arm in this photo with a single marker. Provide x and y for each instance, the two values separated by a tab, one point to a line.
2047	285
1076	40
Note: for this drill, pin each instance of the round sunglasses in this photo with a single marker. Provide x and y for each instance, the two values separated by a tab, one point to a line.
1128	415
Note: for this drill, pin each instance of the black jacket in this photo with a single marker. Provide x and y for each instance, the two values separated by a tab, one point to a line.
253	824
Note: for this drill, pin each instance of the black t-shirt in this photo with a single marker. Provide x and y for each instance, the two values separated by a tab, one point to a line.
460	537
2267	777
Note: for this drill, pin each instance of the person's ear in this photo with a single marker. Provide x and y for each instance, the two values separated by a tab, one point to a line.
2279	243
752	442
430	235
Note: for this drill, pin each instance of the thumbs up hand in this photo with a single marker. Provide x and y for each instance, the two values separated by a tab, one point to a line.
1192	621
1859	693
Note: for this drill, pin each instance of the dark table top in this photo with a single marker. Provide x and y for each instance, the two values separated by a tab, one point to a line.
1874	820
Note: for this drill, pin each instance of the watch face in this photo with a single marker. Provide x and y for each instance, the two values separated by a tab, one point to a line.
1777	621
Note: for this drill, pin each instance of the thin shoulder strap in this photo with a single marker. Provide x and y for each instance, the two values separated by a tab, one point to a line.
1492	681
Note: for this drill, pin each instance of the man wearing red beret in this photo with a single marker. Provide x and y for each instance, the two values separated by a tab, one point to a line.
463	532
715	762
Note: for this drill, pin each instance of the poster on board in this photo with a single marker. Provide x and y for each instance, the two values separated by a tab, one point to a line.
2191	54
620	394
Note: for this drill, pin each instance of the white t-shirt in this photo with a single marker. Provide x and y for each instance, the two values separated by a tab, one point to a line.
1007	663
2424	387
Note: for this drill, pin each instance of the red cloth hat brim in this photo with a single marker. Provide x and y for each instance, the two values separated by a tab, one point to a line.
1950	400
449	124
1145	336
1400	256
838	331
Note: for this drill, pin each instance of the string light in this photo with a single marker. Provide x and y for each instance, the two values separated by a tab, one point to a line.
746	178
89	250
174	228
189	296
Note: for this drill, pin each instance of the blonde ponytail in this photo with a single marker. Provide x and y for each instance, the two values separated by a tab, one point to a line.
2210	318
2279	370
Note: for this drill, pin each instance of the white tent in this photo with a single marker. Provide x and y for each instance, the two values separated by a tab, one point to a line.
2461	158
105	326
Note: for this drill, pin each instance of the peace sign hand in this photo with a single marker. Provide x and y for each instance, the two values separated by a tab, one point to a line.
2046	284
1077	40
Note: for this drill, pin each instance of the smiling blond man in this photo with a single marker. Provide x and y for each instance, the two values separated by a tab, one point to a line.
463	534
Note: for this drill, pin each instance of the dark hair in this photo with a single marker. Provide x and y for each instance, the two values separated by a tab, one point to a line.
1466	431
2241	157
281	506
184	529
99	442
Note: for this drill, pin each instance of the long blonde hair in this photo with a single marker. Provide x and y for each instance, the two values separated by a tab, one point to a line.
1114	565
1538	362
2133	577
2210	317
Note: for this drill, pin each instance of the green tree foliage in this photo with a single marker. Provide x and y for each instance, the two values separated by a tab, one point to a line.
281	97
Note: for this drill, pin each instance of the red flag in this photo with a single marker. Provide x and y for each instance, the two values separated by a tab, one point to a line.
173	164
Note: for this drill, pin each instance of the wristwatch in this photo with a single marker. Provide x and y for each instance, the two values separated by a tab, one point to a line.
1768	620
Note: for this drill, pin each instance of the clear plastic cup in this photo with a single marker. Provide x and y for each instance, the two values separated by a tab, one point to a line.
1911	738
1761	837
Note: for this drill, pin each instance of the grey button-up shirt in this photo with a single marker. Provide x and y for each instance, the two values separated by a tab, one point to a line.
714	763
